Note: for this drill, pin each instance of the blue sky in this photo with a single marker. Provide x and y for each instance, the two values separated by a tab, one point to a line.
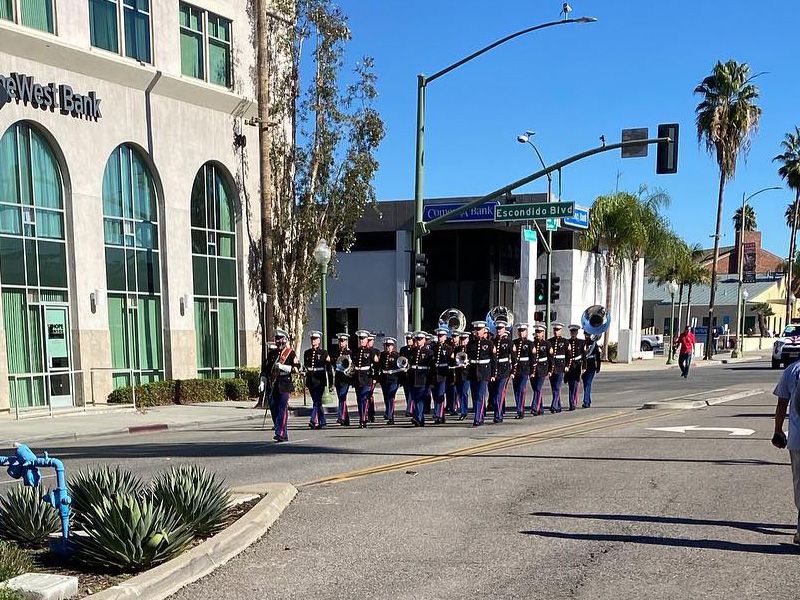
636	67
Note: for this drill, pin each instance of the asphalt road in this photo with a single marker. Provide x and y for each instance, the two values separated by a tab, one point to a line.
590	504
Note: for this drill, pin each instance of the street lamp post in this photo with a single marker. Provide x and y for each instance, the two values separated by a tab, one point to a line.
525	138
322	256
740	257
419	170
740	325
673	289
792	299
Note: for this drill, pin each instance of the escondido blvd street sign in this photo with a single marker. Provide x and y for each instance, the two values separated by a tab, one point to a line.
52	96
536	210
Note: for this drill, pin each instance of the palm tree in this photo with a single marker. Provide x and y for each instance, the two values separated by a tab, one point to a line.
750	223
763	310
726	118
790	172
693	272
667	267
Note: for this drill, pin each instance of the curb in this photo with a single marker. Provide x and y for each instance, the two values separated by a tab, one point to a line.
667	404
166	579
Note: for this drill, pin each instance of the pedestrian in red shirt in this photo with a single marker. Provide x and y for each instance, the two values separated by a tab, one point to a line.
686	343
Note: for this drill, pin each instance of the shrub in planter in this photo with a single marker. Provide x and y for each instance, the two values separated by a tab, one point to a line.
91	486
130	533
13	561
196	495
612	351
25	518
156	393
252	375
7	594
191	391
236	389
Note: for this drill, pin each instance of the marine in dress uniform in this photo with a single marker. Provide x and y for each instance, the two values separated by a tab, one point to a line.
521	367
572	372
277	370
442	352
502	343
363	359
558	364
592	368
429	339
389	376
540	368
342	381
374	376
482	369
419	376
406	351
461	377
319	374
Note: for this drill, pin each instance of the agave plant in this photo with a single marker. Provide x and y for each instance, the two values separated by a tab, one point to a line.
90	487
13	561
196	495
130	533
25	518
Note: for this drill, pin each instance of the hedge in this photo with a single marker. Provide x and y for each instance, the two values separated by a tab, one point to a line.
183	391
252	375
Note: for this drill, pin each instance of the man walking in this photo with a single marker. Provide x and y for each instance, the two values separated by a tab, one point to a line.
521	368
787	392
685	343
319	374
482	369
558	364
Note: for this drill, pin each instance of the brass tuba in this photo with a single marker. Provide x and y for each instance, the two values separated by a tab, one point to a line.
402	363
462	359
344	364
595	321
502	313
453	320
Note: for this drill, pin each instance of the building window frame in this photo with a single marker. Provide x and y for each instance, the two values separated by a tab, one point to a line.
16	16
121	7
206	18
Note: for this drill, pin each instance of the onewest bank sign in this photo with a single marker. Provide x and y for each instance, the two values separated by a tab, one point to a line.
53	96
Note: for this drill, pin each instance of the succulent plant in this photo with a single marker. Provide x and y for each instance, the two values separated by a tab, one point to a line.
13	561
129	533
196	495
25	518
91	486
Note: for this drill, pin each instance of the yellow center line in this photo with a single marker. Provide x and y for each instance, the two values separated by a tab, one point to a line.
503	443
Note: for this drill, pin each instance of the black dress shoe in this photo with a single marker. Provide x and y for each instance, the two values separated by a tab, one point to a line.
571	408
462	417
390	422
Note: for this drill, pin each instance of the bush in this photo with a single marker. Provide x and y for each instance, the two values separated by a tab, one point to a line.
25	518
130	533
13	561
196	495
236	389
7	594
612	351
252	375
157	393
90	487
191	391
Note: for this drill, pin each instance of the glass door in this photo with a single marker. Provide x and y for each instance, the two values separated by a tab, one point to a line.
57	352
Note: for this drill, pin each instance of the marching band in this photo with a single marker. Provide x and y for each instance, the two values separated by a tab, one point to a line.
440	374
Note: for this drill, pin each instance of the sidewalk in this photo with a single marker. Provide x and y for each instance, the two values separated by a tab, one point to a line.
660	362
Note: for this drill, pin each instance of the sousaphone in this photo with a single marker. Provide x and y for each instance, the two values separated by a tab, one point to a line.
502	313
453	320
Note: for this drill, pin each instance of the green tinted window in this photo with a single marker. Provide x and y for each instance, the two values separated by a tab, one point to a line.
37	14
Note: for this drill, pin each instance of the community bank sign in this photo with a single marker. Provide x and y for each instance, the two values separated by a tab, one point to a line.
24	90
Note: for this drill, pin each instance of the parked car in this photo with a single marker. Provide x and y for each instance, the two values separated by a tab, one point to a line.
652	342
786	348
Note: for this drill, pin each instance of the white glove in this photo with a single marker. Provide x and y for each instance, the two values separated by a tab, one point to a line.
285	368
262	385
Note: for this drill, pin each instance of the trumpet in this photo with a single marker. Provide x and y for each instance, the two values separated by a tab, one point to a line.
462	359
344	364
402	363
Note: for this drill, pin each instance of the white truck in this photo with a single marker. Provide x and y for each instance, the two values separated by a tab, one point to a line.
786	348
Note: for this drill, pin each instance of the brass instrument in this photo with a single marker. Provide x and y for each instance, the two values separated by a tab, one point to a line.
502	313
344	365
402	363
453	319
595	321
462	359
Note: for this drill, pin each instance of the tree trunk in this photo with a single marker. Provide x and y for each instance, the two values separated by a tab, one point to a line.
265	173
792	252
632	307
680	313
609	279
761	324
689	306
712	298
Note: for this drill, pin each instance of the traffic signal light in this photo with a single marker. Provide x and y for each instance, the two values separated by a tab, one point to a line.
667	154
420	270
539	291
538	316
555	287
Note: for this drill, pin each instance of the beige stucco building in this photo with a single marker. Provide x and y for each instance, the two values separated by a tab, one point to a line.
126	169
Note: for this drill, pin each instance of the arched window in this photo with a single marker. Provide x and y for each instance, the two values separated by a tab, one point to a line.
33	271
214	271
133	269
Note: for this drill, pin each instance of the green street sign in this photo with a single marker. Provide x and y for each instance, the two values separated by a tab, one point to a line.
552	224
529	235
533	211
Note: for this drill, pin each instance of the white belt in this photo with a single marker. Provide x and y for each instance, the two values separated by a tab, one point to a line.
484	361
393	371
315	369
523	359
419	366
542	360
560	356
577	357
442	365
503	360
367	368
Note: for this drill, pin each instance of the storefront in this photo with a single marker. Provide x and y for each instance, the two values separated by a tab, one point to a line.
124	178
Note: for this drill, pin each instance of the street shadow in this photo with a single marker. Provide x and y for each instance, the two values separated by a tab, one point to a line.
751	368
765	528
768	549
768	415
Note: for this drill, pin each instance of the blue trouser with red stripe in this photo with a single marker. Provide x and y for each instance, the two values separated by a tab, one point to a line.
439	396
462	397
362	398
280	403
520	384
450	394
479	391
588	377
389	392
537	383
342	415
317	412
556	379
419	393
407	390
499	397
574	386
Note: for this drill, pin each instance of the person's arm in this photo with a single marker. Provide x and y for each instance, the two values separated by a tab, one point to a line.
779	438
